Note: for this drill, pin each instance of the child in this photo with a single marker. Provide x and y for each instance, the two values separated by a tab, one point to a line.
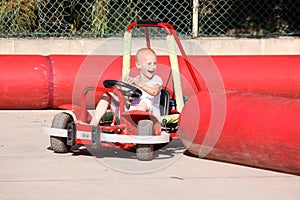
147	81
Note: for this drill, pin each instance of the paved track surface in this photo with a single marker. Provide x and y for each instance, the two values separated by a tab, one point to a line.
30	170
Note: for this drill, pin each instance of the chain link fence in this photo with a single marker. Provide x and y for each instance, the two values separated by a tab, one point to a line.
107	18
252	18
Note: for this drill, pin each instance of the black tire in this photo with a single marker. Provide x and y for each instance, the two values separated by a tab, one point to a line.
59	144
144	152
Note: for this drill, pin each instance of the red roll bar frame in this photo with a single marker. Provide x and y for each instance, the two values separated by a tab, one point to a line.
170	31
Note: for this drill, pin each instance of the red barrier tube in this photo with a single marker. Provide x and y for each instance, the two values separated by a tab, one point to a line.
73	73
258	130
36	82
24	82
272	75
65	69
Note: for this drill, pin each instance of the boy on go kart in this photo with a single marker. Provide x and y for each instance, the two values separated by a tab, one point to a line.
149	83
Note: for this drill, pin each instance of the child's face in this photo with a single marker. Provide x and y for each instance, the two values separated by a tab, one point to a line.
147	65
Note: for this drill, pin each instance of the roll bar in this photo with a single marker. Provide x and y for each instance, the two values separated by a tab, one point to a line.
170	31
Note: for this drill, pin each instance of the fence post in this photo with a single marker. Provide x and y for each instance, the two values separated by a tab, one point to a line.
195	18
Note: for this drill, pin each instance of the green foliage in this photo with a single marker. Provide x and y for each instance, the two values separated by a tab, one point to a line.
17	16
73	18
252	18
99	14
102	18
122	13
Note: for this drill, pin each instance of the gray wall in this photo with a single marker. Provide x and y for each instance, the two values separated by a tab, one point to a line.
114	46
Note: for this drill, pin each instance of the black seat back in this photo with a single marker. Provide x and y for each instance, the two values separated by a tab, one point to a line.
164	102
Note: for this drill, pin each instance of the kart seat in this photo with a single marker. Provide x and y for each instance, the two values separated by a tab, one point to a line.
164	102
164	109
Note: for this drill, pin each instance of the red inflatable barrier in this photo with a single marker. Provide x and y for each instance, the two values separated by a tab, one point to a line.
24	82
64	69
37	82
72	74
250	129
272	75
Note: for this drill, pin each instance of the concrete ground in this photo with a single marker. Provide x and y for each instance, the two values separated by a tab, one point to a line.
30	170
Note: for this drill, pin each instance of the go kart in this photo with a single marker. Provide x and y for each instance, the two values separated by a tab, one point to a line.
129	130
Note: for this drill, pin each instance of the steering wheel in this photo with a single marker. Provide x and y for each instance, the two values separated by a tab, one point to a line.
126	89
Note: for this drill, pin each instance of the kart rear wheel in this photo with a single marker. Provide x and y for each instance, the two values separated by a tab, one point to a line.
59	144
144	152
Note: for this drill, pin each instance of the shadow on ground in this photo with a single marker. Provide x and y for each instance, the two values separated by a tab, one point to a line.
167	151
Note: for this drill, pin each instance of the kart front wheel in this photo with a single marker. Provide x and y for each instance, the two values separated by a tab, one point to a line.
144	152
59	144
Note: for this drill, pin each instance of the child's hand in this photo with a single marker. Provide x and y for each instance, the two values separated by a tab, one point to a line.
129	80
133	81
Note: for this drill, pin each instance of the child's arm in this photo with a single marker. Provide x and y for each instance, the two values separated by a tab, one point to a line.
153	91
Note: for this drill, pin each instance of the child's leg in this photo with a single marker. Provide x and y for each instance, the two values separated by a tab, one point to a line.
100	109
142	106
145	104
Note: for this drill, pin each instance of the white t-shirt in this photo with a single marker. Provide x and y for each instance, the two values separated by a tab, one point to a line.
152	102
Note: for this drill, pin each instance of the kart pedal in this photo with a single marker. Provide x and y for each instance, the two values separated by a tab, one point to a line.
71	139
95	136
